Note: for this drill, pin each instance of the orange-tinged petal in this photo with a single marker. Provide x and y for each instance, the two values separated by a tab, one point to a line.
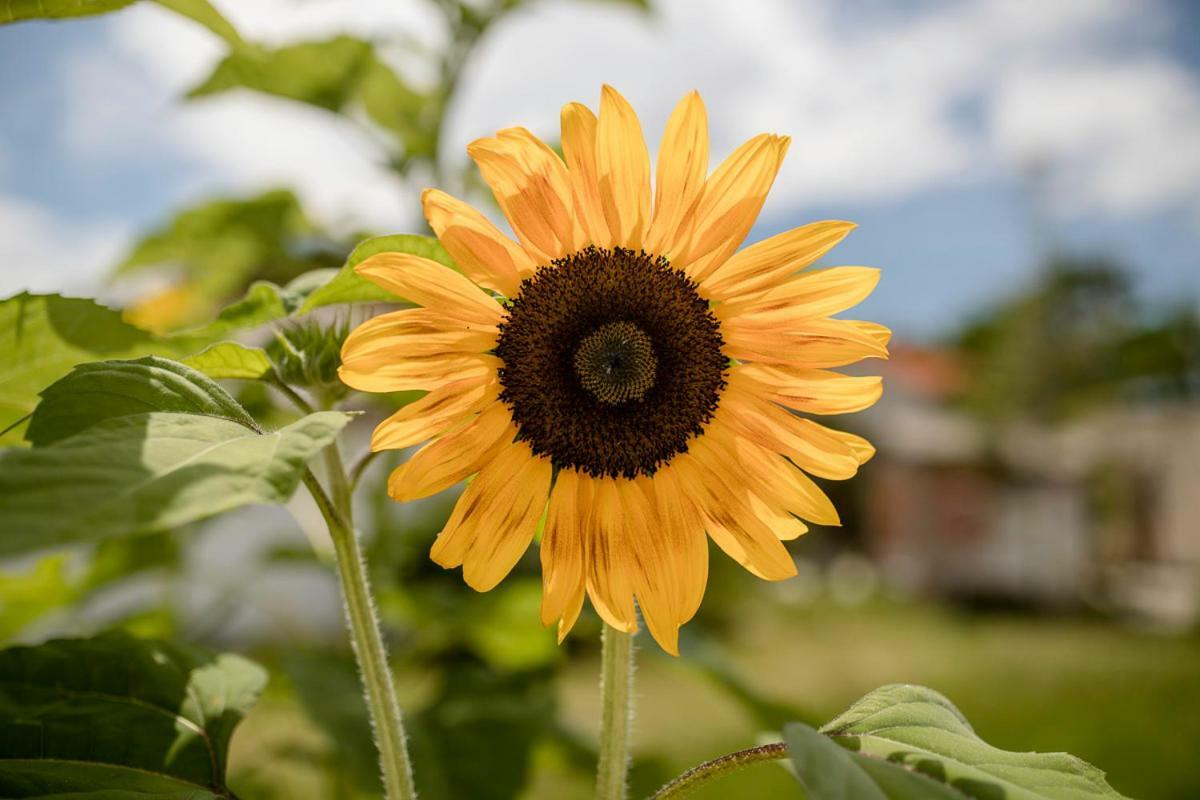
608	567
623	170
497	547
562	547
728	516
436	412
670	557
416	333
764	264
579	150
453	456
430	284
812	391
424	374
817	293
682	166
813	343
729	205
486	255
531	184
493	522
571	613
773	478
811	446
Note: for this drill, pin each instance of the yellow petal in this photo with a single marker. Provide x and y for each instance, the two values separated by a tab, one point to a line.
436	412
813	343
805	442
682	166
678	514
415	333
493	522
728	516
772	477
607	558
812	391
486	255
729	205
531	185
423	374
499	546
453	456
562	547
817	293
623	170
571	613
579	150
670	558
765	264
430	284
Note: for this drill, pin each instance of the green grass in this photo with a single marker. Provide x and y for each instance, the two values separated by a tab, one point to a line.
1129	702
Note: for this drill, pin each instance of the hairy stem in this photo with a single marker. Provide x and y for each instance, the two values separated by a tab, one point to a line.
616	714
365	635
710	771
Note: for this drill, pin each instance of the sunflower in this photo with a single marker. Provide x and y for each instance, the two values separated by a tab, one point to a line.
621	373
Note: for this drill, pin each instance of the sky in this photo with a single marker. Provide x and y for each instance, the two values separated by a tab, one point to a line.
966	138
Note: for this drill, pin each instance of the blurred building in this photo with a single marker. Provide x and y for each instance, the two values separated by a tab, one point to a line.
1101	510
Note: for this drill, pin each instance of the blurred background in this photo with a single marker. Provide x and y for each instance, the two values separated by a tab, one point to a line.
1027	540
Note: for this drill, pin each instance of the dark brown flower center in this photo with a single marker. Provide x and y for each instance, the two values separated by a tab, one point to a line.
612	362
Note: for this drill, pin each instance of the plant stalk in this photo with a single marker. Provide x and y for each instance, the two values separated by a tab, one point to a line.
710	771
616	715
365	635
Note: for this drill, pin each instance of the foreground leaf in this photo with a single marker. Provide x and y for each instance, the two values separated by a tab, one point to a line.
119	717
348	287
149	472
919	728
231	360
102	390
43	336
830	772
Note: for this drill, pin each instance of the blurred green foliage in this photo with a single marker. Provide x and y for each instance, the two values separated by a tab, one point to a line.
1078	338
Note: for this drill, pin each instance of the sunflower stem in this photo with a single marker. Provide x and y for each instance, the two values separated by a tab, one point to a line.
365	635
616	714
710	771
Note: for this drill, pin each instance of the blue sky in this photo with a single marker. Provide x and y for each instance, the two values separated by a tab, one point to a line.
917	120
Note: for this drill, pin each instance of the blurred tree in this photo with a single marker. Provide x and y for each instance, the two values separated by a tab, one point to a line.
1076	339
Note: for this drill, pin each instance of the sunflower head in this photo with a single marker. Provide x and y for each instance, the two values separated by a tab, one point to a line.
620	369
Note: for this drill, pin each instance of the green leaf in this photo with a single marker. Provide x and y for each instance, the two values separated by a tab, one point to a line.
43	336
921	729
203	12
324	74
231	360
18	10
264	302
149	472
105	389
830	772
396	106
118	717
348	287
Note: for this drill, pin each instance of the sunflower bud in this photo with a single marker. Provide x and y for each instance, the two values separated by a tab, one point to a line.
308	355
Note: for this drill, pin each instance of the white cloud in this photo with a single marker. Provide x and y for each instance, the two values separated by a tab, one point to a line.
880	107
42	253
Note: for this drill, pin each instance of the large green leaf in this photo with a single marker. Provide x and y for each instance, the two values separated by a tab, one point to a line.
348	287
231	360
17	10
118	717
919	728
43	336
829	772
149	472
104	389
